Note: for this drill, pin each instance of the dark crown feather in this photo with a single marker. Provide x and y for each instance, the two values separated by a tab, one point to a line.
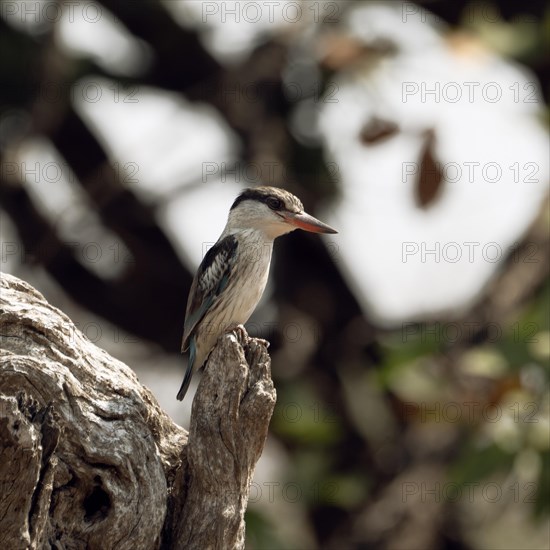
268	195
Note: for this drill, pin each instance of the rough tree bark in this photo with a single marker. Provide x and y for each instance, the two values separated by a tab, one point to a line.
89	459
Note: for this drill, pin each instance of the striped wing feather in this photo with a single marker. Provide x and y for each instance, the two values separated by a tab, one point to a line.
210	280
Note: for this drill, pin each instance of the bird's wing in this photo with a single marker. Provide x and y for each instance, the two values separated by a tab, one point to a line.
210	280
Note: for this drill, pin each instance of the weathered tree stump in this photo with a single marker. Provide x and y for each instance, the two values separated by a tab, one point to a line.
89	459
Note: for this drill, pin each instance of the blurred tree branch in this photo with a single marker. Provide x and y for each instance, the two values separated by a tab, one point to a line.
91	461
112	299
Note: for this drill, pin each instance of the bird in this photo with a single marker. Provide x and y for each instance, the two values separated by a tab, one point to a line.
233	273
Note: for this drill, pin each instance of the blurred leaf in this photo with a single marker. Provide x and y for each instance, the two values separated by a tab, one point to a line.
418	380
542	503
474	465
376	130
345	491
302	416
430	178
261	533
486	361
519	337
400	348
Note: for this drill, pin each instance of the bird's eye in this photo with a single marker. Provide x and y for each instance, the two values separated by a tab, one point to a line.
274	203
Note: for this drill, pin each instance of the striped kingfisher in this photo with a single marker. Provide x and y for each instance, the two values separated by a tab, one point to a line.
232	276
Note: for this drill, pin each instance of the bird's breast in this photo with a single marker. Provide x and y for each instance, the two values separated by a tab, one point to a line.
246	283
251	274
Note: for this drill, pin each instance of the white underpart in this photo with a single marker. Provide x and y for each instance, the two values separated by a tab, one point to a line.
244	290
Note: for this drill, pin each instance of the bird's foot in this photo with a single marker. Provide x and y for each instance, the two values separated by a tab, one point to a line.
240	334
266	343
243	338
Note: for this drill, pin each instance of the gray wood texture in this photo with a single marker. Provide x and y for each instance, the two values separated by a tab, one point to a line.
90	460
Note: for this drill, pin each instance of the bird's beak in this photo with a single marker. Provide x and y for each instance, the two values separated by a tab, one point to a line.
308	223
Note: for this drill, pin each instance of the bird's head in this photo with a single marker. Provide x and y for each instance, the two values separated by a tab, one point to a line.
273	211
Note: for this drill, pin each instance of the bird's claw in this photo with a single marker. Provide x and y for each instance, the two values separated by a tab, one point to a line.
240	334
243	338
265	343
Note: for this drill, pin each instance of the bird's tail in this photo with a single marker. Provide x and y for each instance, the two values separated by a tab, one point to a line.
189	371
